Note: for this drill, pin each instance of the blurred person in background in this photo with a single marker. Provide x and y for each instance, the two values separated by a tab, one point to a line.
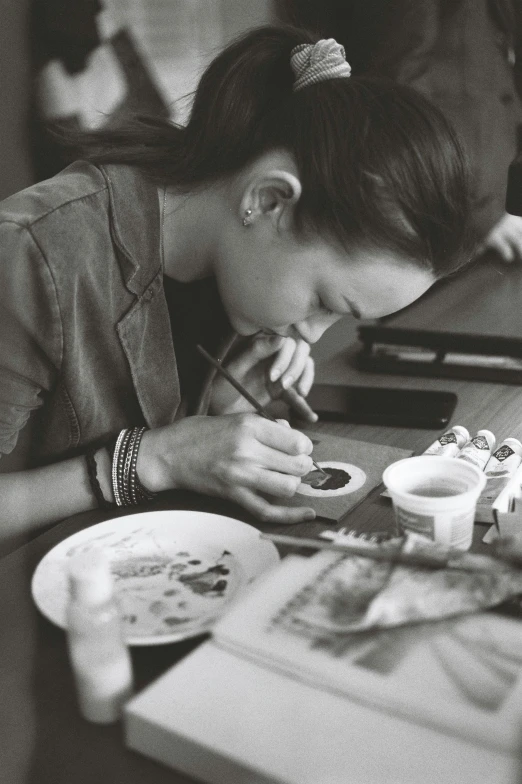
466	56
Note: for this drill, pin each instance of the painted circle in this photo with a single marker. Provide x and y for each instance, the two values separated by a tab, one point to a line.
358	478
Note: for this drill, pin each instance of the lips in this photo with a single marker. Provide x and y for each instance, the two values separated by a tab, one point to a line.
290	332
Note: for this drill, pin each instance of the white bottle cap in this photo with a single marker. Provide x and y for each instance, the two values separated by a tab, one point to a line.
90	579
513	442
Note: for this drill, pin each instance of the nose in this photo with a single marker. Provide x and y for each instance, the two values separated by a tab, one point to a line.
314	327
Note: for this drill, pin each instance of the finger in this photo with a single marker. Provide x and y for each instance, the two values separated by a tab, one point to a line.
503	248
304	384
511	236
274	483
296	365
516	246
270	513
261	475
274	460
283	359
518	226
260	348
284	439
299	405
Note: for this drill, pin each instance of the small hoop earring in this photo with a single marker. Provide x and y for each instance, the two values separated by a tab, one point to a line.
246	219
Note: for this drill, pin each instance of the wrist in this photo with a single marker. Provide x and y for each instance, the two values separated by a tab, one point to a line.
150	466
98	470
126	485
103	464
164	456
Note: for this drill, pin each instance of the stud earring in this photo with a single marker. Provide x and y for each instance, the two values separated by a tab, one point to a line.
246	219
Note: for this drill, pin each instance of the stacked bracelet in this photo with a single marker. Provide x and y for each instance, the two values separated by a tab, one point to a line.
126	486
93	480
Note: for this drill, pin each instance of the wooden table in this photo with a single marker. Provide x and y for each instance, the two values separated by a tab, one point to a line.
43	740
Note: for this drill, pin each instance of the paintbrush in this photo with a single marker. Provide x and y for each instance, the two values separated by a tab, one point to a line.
453	560
245	393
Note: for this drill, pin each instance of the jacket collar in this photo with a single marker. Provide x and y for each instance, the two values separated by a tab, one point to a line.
135	224
145	330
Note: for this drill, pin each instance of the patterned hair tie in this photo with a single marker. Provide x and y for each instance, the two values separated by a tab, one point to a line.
312	63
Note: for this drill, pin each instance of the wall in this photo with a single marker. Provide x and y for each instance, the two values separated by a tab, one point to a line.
180	36
15	166
240	15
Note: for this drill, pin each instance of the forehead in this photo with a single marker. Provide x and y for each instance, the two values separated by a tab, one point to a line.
377	283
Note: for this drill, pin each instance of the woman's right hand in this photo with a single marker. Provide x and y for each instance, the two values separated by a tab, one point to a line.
240	457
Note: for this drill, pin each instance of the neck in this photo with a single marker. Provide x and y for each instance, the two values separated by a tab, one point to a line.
188	229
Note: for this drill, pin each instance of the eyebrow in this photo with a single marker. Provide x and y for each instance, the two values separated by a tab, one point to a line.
355	311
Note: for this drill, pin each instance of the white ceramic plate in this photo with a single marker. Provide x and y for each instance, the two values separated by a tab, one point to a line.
175	572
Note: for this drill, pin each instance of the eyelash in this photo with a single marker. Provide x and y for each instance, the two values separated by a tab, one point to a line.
324	308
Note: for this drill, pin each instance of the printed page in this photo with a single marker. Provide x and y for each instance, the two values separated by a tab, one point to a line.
310	619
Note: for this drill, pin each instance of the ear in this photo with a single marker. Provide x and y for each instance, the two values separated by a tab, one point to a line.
271	195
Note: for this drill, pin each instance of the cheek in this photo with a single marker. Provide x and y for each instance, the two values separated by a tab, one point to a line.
313	328
262	290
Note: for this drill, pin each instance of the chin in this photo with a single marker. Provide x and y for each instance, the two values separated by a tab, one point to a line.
244	329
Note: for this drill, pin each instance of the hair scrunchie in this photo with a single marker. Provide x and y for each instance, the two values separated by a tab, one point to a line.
312	63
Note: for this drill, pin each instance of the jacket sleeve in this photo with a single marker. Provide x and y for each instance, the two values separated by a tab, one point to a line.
31	340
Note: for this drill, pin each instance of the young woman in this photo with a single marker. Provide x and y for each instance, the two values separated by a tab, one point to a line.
295	195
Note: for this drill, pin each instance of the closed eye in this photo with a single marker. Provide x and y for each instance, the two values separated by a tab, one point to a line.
323	307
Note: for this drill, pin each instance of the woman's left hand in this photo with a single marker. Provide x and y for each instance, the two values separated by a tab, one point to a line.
267	368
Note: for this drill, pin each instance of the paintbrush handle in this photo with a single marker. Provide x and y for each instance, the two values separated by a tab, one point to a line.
242	391
367	552
235	383
418	560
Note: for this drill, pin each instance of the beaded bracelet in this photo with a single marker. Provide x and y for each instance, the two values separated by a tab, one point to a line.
127	488
92	473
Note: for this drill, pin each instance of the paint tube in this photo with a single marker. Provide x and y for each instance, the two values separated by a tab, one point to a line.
479	449
500	468
449	443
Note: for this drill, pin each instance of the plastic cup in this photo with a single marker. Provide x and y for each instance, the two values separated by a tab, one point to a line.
435	497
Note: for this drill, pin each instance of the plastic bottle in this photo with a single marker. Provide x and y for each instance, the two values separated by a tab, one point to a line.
449	443
98	654
479	449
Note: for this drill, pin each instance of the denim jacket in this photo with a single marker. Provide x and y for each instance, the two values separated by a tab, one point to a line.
85	339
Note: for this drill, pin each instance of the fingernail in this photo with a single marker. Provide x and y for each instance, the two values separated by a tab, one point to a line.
287	381
309	515
274	374
314	417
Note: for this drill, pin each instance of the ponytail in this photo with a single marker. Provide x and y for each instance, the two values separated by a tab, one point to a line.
379	164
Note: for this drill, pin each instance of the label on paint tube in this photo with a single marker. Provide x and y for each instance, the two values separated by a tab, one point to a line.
478	450
449	443
500	468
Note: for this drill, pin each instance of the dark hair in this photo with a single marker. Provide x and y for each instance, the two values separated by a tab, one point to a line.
379	164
